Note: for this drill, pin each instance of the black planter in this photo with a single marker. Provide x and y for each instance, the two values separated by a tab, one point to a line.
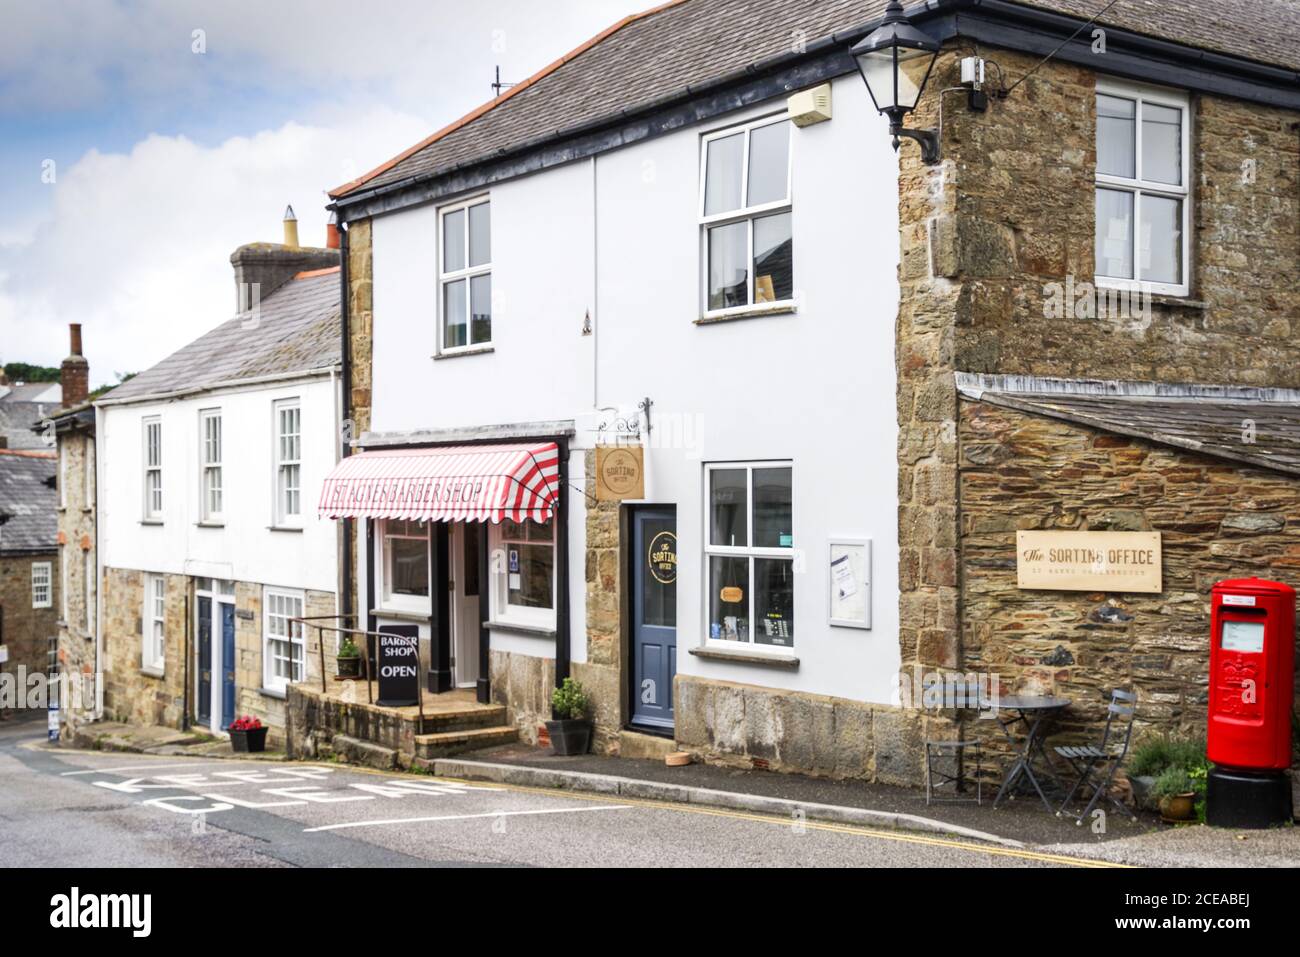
248	742
569	736
350	667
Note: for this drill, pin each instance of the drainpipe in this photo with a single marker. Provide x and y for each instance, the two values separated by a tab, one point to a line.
563	645
345	449
101	451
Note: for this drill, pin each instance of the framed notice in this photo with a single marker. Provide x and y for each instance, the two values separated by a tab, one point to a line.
850	582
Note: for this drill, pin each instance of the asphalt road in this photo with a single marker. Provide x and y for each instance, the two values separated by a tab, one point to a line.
69	808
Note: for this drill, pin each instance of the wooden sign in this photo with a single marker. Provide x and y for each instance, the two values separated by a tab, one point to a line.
397	664
1089	561
620	472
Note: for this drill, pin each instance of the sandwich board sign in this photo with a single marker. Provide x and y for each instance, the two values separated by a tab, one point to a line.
397	661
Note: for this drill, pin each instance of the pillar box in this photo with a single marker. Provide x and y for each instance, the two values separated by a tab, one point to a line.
1248	737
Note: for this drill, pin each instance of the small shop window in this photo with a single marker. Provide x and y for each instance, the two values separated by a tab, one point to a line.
749	553
154	640
746	218
405	561
523	573
283	650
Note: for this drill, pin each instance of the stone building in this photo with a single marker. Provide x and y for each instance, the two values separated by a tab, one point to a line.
30	590
207	465
1079	317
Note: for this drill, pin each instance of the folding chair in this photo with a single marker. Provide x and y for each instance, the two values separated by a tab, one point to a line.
966	696
1089	760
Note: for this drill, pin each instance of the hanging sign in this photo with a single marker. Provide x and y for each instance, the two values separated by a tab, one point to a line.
620	472
1089	561
397	662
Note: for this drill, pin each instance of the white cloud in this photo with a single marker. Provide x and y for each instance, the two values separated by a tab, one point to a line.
138	246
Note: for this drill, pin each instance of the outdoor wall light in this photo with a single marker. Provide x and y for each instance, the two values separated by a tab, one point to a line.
895	60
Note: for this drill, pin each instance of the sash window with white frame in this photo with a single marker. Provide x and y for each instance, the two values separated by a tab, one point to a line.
210	445
465	276
524	573
42	585
749	553
153	473
284	653
153	639
1142	193
746	218
288	463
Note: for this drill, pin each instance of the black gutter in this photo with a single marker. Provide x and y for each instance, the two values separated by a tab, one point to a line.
345	445
996	22
563	640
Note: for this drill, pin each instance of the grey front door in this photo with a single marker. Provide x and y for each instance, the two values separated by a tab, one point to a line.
654	616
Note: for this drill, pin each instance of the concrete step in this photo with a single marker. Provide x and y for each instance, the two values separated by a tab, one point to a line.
447	743
462	720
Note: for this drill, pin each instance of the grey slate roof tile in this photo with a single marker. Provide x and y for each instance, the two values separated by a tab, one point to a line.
298	330
19	419
28	496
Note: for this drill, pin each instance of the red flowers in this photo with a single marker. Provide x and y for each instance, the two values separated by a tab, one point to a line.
245	724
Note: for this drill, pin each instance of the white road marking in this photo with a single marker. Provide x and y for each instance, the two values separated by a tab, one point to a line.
127	767
467	817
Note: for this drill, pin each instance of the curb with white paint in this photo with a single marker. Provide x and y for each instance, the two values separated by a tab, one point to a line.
705	797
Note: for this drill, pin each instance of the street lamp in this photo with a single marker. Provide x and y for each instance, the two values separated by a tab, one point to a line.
895	60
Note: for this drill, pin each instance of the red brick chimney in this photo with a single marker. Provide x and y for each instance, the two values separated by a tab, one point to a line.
74	374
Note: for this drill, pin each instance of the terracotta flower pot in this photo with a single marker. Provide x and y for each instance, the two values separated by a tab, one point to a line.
1178	807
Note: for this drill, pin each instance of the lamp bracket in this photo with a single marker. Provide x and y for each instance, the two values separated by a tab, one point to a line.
928	140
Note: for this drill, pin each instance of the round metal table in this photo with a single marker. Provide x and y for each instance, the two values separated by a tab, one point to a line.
1035	713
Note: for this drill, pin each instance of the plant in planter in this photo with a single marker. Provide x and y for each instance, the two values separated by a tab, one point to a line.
1176	793
349	659
570	730
1165	767
247	735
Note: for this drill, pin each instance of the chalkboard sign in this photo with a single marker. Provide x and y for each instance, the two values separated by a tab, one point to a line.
398	665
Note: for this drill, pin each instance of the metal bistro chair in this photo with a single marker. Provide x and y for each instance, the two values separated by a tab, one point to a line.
966	695
1089	760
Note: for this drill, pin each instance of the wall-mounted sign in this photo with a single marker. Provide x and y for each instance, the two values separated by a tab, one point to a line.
850	582
661	558
397	661
620	472
1089	561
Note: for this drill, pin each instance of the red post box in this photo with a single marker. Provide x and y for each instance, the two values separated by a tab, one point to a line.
1252	662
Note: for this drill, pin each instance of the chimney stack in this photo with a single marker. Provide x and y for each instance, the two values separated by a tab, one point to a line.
74	374
290	228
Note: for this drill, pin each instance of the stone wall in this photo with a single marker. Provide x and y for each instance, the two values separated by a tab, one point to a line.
132	695
523	683
27	631
360	353
603	673
1217	521
77	533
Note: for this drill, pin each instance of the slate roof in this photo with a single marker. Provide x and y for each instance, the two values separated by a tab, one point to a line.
651	56
1205	419
28	496
19	420
298	330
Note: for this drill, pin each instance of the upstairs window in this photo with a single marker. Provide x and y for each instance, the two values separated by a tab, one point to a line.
42	585
466	275
1143	173
210	431
153	492
288	462
745	218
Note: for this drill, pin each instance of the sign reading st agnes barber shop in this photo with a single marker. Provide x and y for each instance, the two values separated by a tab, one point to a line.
397	660
1089	561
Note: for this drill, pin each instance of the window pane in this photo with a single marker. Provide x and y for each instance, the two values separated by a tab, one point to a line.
728	598
728	507
774	601
1162	144
480	298
453	241
728	274
773	259
408	566
769	163
454	317
531	568
1116	122
480	234
773	527
1162	239
1114	234
722	174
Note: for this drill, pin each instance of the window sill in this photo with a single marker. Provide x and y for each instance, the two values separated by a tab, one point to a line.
209	524
458	353
151	673
786	662
401	615
276	693
533	631
757	312
284	528
152	521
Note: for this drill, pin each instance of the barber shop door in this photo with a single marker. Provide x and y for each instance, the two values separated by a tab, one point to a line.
654	616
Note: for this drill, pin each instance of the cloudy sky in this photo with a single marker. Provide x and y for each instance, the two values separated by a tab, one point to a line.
141	141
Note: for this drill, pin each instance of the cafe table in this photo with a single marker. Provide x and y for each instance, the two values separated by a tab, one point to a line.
1035	713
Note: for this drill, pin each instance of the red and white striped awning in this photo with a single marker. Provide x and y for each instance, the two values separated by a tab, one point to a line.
472	483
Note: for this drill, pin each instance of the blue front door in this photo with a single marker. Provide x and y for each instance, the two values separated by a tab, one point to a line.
227	664
204	682
654	616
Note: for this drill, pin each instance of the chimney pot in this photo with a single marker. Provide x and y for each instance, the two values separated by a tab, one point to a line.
74	329
290	228
332	232
74	374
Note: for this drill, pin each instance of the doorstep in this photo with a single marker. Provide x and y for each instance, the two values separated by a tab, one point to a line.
1017	823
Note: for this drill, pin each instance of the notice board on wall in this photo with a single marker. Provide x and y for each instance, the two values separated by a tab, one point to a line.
850	582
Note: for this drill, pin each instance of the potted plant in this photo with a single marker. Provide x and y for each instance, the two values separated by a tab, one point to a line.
1176	794
247	735
570	731
349	658
1169	774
